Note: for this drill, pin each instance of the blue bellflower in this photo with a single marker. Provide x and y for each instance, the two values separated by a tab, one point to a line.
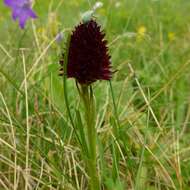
21	10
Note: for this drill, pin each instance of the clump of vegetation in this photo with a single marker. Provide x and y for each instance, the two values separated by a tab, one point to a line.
140	119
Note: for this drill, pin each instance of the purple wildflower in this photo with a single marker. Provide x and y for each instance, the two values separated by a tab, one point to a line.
59	37
21	9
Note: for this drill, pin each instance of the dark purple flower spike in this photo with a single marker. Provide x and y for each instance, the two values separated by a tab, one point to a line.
88	57
21	10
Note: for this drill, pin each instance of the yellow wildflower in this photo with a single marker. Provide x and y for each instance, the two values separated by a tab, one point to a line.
42	34
41	30
171	36
141	32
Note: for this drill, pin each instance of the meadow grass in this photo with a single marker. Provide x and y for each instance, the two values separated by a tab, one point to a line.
142	116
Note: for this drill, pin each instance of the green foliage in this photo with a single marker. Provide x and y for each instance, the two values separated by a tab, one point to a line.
142	118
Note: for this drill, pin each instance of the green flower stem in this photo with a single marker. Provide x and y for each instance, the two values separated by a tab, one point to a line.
87	96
